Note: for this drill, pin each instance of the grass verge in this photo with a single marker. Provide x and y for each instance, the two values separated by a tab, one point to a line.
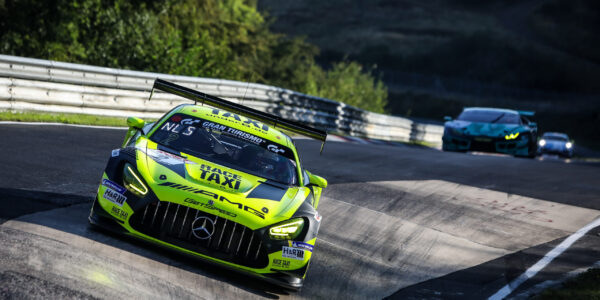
63	118
584	286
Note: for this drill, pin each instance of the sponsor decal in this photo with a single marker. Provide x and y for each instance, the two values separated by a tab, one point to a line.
224	178
203	227
215	196
114	196
244	136
113	185
119	212
275	149
293	253
302	245
189	121
233	132
177	128
281	263
213	126
115	153
209	205
243	120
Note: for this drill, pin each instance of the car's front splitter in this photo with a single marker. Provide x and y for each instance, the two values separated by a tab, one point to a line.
486	144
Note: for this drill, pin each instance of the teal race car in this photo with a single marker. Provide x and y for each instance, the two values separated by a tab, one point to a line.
491	130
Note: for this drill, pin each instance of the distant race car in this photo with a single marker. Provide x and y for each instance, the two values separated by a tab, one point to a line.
217	183
491	130
555	143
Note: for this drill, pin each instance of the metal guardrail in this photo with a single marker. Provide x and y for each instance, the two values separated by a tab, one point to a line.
28	84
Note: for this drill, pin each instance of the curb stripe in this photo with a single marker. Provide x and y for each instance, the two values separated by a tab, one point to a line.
542	263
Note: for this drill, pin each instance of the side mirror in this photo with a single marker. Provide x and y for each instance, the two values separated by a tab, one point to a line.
532	124
317	180
135	123
447	118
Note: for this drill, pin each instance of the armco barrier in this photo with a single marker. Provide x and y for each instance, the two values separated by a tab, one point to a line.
28	84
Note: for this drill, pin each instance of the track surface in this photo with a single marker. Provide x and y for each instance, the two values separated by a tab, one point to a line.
398	221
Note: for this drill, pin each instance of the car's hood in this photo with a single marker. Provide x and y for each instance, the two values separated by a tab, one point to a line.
219	190
483	129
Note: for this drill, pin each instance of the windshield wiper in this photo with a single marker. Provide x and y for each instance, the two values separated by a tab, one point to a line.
498	118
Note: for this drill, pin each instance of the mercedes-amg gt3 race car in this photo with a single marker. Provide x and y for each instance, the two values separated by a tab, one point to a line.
491	130
218	183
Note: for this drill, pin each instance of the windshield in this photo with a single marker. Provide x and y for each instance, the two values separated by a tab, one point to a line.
489	116
228	146
553	137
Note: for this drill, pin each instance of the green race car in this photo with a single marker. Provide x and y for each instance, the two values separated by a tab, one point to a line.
491	130
218	183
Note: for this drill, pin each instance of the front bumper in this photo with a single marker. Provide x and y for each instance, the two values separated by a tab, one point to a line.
562	152
234	246
519	146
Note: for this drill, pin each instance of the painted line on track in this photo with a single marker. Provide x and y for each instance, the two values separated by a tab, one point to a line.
542	263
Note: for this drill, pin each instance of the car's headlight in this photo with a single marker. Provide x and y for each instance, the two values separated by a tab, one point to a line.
542	143
568	145
132	181
512	136
287	230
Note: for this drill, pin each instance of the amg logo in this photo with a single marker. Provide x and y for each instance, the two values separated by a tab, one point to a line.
215	196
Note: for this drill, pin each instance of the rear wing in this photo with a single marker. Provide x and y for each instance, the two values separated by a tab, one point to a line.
269	119
526	113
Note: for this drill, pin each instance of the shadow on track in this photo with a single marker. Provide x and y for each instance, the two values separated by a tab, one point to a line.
24	205
566	183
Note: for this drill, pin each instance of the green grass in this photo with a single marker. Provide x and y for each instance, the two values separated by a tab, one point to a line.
63	118
584	286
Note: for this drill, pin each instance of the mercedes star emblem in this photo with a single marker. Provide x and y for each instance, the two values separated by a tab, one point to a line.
203	227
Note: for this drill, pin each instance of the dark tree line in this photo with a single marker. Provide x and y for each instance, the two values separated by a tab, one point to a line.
209	38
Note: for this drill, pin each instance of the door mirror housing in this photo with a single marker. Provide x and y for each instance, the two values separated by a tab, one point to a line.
447	118
135	126
532	124
317	180
135	123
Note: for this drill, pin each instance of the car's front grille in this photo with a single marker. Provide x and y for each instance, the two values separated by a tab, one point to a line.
230	241
483	146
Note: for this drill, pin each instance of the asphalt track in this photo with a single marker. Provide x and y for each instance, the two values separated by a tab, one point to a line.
399	222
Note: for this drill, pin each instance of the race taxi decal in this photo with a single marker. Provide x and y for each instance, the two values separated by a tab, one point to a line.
247	122
224	178
119	212
281	263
